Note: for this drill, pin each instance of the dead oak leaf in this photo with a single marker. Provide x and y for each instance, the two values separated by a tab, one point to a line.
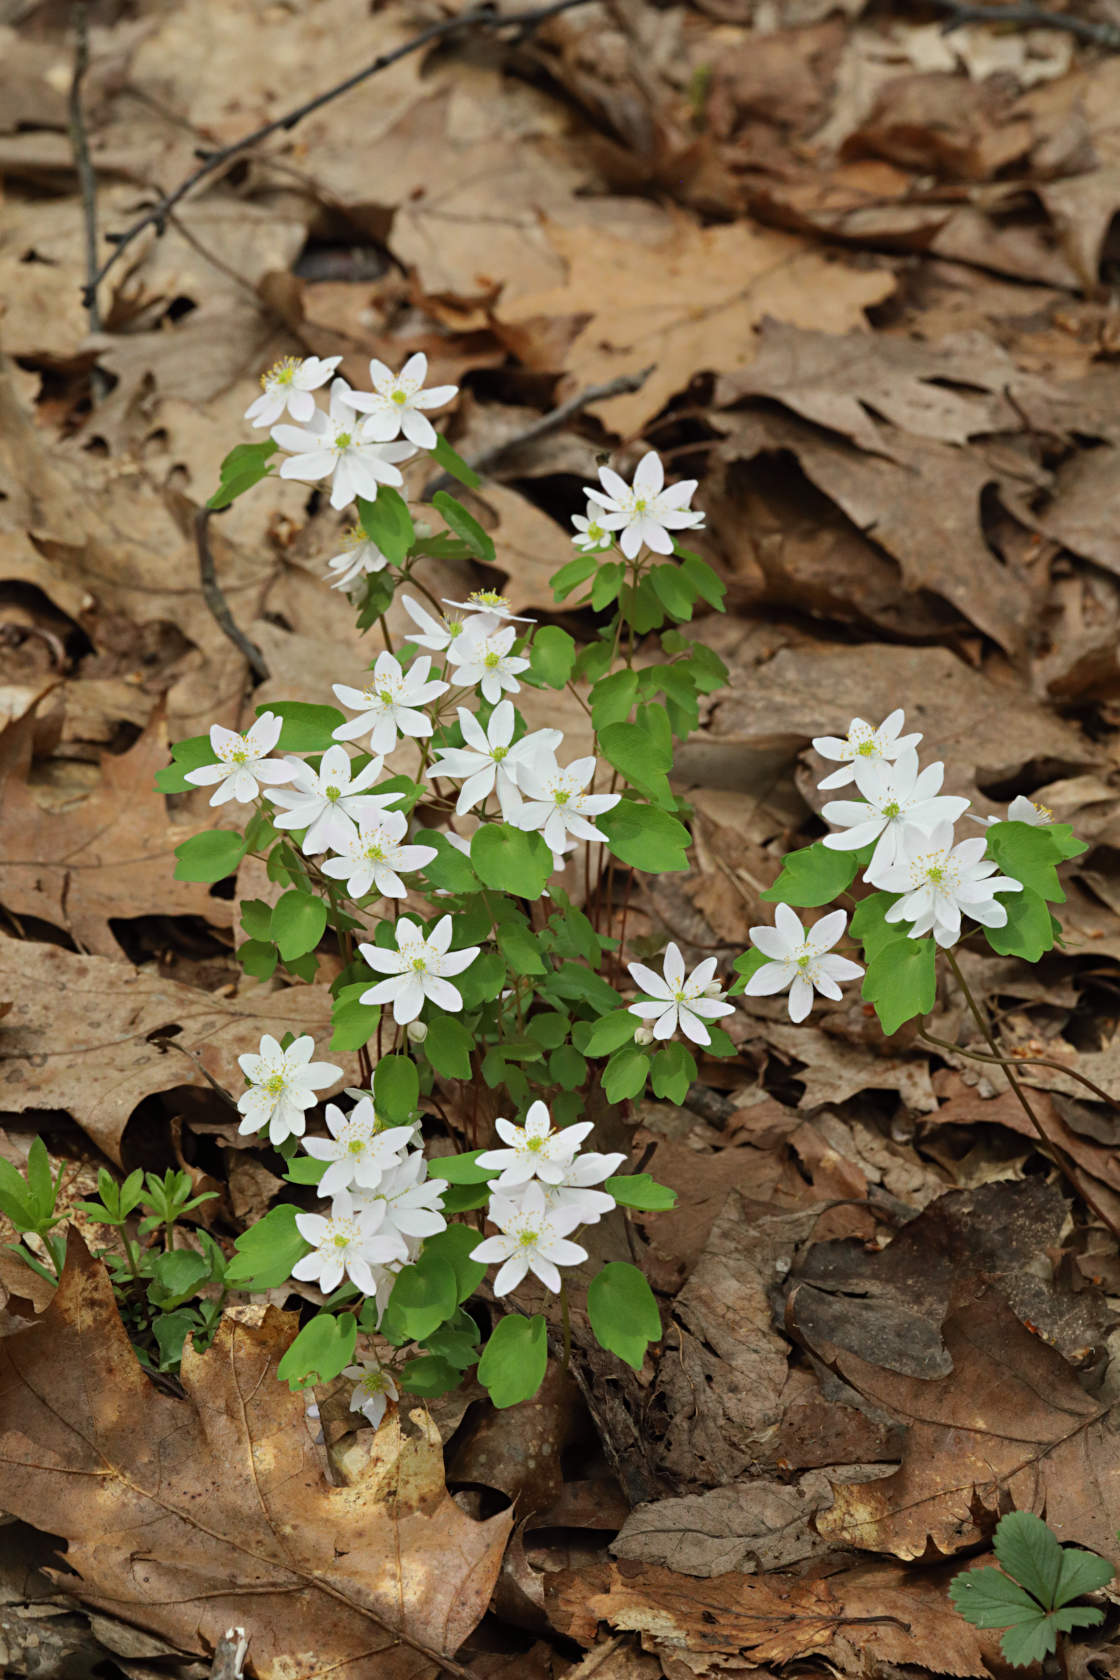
189	1516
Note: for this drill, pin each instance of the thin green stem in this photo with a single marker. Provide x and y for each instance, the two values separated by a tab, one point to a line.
385	633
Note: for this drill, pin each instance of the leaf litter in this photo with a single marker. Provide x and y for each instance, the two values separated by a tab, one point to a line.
867	264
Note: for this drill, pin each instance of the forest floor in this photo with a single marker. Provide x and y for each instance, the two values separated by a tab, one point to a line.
862	274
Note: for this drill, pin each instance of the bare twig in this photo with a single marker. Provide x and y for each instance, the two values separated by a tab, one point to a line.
1015	1060
546	423
156	216
87	183
216	601
1030	16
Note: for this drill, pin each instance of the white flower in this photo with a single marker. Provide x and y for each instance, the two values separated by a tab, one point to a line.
375	1388
437	634
535	1150
896	795
282	1086
938	880
396	400
243	761
490	604
488	761
574	1191
532	1240
487	660
1021	809
590	536
643	1035
677	1002
327	803
390	705
864	745
372	856
799	960
409	1201
558	805
417	970
647	512
289	384
359	1151
360	557
345	1242
334	446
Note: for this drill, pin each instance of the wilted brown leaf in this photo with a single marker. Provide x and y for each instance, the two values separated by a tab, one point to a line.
189	1516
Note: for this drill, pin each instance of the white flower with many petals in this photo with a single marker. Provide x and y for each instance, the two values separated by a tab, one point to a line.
590	537
282	1087
373	857
896	795
360	557
359	1149
1021	809
938	880
558	806
676	1001
647	511
437	634
243	761
533	1150
417	969
532	1240
396	401
488	661
334	446
347	1242
490	604
864	745
800	960
375	1388
391	703
327	803
489	762
410	1201
288	384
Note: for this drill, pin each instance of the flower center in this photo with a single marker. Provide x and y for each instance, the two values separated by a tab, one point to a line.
455	628
373	1382
340	1240
385	696
498	753
239	755
488	598
334	793
491	660
536	1144
282	372
356	1145
528	1239
375	852
400	397
275	1084
804	961
343	440
640	505
893	810
355	537
866	748
562	796
419	964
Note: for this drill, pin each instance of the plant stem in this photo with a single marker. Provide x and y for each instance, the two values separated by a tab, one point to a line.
566	1323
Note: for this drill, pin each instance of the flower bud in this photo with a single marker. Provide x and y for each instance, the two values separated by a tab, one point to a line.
713	989
417	1032
644	1035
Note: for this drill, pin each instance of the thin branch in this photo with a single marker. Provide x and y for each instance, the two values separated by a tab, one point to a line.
1030	16
87	183
157	214
216	601
1023	1061
488	458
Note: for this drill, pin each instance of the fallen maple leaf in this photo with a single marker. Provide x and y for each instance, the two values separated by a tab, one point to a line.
185	1517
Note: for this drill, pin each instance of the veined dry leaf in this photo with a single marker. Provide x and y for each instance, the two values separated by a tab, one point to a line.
83	1034
189	1516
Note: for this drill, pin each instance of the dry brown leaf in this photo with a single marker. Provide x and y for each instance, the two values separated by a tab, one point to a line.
753	1526
193	1515
83	1034
1009	1422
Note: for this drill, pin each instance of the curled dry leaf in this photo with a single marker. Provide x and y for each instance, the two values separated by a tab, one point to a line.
191	1516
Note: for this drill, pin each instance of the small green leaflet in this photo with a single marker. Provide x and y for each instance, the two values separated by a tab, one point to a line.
511	859
813	876
901	981
1032	1597
513	1363
210	856
321	1351
551	657
639	1190
388	523
305	728
623	1312
453	463
645	837
464	525
244	466
267	1251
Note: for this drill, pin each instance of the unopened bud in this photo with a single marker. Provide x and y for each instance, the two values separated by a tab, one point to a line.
713	989
644	1035
416	1031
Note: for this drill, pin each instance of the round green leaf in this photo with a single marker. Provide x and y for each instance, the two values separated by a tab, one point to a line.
513	1363
209	857
623	1312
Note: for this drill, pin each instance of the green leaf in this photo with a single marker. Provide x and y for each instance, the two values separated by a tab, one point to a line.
571	575
672	1071
424	1296
189	754
642	759
245	465
645	837
256	918
572	980
703	579
869	924
521	949
552	657
901	981
511	859
1030	854
449	870
1027	1644
298	923
1029	1552
514	1360
626	1073
354	1022
548	1030
321	1351
453	463
305	728
749	963
623	1312
456	1341
988	1598
448	1047
267	1251
608	582
454	1245
483	980
388	523
464	525
673	591
1081	1572
429	1376
812	876
396	1088
40	1181
209	857
460	1169
305	1169
171	1330
612	698
567	1068
1029	929
639	1190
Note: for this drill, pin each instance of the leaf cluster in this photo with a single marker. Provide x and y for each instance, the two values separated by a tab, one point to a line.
1032	1593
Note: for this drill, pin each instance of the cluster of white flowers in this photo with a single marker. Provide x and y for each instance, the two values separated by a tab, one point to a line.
675	1001
644	512
910	823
